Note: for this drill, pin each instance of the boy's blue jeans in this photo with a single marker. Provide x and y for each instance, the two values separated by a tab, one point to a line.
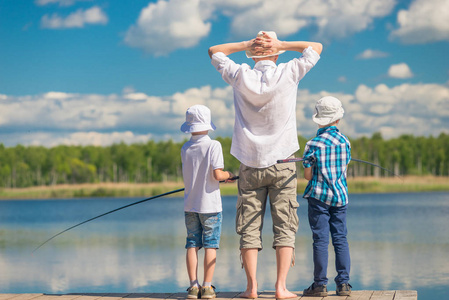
324	219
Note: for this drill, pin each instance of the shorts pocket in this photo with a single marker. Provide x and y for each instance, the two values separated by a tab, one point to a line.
286	174
239	217
293	216
285	166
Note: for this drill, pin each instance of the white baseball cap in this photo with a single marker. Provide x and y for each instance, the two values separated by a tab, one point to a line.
271	34
328	110
197	119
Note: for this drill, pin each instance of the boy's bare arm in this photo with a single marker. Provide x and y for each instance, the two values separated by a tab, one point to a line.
221	175
308	173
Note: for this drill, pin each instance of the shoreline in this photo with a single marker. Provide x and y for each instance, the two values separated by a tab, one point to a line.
355	185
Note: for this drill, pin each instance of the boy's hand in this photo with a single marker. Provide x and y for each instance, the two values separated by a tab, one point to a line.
231	178
309	161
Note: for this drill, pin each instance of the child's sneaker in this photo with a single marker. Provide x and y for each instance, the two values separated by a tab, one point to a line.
193	292
316	291
344	289
208	292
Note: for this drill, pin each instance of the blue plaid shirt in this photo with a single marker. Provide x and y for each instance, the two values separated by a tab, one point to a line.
332	153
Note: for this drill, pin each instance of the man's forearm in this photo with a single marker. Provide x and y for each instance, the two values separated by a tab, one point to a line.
300	46
230	48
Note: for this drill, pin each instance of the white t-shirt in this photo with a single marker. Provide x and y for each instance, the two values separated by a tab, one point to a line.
200	156
265	106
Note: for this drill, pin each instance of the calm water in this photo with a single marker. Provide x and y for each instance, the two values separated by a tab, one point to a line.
397	241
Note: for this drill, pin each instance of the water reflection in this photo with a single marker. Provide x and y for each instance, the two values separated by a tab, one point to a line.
397	241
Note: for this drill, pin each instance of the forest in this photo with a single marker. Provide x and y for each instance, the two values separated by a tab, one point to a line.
160	161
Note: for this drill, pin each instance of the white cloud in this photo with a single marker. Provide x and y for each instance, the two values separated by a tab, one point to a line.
57	117
165	26
80	119
78	19
370	54
333	19
423	107
421	110
401	70
425	21
280	16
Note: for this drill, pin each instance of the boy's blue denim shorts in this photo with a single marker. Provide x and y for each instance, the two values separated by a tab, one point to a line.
203	230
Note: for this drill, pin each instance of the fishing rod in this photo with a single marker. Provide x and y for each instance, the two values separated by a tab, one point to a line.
296	159
117	209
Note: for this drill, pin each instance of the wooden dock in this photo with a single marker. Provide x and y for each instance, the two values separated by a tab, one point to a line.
355	295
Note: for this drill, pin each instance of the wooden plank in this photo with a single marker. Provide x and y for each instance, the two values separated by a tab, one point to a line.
113	297
302	297
239	293
178	296
383	295
406	295
87	296
8	296
27	296
227	295
138	296
160	296
60	296
360	295
266	295
311	298
335	297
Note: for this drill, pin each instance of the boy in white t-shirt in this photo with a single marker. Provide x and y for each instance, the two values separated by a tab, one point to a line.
202	169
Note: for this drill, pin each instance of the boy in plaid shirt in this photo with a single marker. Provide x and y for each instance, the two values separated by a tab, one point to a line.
326	158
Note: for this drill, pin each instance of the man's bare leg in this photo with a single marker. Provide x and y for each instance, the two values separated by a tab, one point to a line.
284	257
249	257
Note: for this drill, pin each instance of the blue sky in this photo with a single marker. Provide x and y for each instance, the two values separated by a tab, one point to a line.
101	72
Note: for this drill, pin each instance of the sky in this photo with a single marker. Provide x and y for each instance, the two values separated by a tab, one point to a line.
87	72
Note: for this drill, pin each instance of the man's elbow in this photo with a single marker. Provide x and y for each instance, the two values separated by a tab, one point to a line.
211	52
318	47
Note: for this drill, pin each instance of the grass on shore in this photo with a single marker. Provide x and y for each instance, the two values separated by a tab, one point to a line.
355	185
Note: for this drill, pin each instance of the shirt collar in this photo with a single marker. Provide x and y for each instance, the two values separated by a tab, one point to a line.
327	129
197	137
264	64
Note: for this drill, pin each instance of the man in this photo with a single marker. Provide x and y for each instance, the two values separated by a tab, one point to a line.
265	131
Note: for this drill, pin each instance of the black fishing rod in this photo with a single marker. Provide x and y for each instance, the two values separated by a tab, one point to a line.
296	159
117	209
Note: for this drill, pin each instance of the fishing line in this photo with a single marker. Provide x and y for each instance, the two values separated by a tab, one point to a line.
117	209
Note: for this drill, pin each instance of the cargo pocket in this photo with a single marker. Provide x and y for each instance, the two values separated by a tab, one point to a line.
286	175
293	216
239	217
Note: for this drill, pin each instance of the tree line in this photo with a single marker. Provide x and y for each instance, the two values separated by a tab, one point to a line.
22	166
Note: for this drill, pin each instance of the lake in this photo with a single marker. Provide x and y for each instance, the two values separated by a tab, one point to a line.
397	242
